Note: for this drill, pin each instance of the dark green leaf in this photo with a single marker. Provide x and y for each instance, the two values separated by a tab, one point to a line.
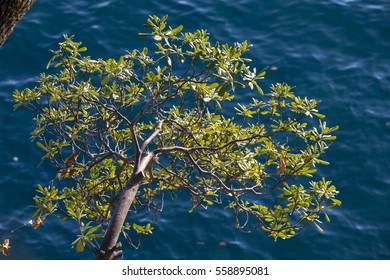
143	35
222	89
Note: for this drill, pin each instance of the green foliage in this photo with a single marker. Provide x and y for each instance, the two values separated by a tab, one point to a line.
96	118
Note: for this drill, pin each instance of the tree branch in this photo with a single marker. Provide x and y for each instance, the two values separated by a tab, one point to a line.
158	126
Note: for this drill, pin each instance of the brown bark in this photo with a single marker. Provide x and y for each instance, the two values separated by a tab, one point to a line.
11	12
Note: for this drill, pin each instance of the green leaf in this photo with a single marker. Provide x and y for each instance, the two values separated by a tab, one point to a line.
96	236
211	193
329	138
322	161
121	60
177	29
219	105
262	74
209	66
143	35
208	201
92	230
105	81
321	116
222	89
40	145
259	90
35	213
336	202
318	227
148	228
245	45
112	171
326	217
79	246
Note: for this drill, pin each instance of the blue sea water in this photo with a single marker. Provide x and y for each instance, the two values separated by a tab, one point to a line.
337	51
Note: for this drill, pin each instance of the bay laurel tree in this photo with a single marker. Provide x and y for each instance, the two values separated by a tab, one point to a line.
123	132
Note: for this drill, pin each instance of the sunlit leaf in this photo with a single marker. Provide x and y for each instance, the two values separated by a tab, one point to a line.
40	145
318	227
92	230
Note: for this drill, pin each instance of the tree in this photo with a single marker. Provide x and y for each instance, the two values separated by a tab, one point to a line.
11	12
122	133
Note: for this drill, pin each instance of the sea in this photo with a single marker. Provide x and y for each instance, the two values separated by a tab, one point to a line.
336	51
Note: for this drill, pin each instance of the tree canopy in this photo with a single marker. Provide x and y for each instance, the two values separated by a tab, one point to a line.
124	132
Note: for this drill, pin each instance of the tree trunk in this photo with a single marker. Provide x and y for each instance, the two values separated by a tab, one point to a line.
108	249
11	11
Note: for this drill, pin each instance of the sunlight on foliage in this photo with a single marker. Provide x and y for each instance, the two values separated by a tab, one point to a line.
97	120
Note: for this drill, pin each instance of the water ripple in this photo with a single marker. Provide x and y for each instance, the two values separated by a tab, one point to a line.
336	51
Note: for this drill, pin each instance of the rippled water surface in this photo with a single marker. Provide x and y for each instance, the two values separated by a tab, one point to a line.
336	51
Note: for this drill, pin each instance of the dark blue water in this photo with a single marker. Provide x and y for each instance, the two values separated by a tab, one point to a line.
337	51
